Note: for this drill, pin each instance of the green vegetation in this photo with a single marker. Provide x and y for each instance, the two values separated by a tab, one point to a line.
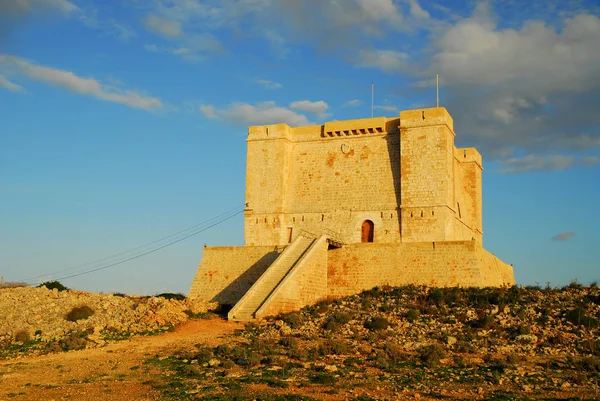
51	285
79	313
171	295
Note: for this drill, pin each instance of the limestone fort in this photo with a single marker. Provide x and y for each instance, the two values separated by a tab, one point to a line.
338	208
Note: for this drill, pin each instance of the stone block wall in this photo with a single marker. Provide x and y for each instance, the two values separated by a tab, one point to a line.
304	285
359	267
227	272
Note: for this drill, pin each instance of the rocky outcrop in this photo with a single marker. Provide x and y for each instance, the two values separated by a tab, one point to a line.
40	315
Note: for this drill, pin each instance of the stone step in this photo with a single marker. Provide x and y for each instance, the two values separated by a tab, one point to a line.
244	310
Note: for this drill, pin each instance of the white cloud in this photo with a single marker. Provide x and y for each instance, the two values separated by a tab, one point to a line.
15	8
318	108
163	26
387	107
258	114
6	84
386	60
84	86
565	236
536	163
209	111
351	103
269	84
590	161
531	88
417	11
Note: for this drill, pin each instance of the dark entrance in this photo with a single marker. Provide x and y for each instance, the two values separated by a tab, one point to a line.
367	230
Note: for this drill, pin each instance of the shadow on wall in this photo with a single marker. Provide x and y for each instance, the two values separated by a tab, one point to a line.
393	145
231	294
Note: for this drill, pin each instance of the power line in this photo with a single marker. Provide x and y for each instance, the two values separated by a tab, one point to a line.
111	264
136	248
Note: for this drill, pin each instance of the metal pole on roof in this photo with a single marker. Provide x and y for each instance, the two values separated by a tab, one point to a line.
372	97
437	91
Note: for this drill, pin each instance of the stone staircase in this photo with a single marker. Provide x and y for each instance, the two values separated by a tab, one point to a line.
246	307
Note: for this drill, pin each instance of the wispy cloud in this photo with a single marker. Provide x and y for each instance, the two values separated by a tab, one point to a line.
169	28
16	8
268	84
76	84
6	84
565	236
255	114
536	163
319	108
351	103
386	60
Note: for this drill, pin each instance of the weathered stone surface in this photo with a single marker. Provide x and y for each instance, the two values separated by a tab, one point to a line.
398	184
42	310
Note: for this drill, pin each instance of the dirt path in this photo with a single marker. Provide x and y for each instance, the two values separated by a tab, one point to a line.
113	372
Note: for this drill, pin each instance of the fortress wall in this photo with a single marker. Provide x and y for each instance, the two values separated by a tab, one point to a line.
227	272
334	183
467	200
359	267
353	172
427	178
494	270
304	285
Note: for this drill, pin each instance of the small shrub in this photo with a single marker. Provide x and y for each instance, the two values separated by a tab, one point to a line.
38	333
189	370
335	321
74	341
228	364
431	355
485	322
204	355
289	342
376	323
52	285
412	315
331	347
294	320
579	318
79	313
119	294
171	295
22	336
589	364
395	351
322	378
522	329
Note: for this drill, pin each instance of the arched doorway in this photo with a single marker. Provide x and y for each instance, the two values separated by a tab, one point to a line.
367	230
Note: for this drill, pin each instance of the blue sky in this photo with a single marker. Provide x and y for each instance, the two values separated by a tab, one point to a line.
122	122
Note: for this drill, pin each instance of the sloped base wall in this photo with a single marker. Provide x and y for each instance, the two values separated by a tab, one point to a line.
357	267
227	272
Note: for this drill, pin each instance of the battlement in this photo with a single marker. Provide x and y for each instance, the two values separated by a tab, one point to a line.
355	127
426	118
468	155
272	131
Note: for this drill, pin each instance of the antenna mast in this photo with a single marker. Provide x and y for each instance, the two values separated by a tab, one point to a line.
372	97
437	91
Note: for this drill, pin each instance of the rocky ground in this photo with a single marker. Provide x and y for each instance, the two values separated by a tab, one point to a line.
42	320
389	343
410	342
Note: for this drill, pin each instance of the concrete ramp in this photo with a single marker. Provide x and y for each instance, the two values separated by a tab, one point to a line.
266	285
